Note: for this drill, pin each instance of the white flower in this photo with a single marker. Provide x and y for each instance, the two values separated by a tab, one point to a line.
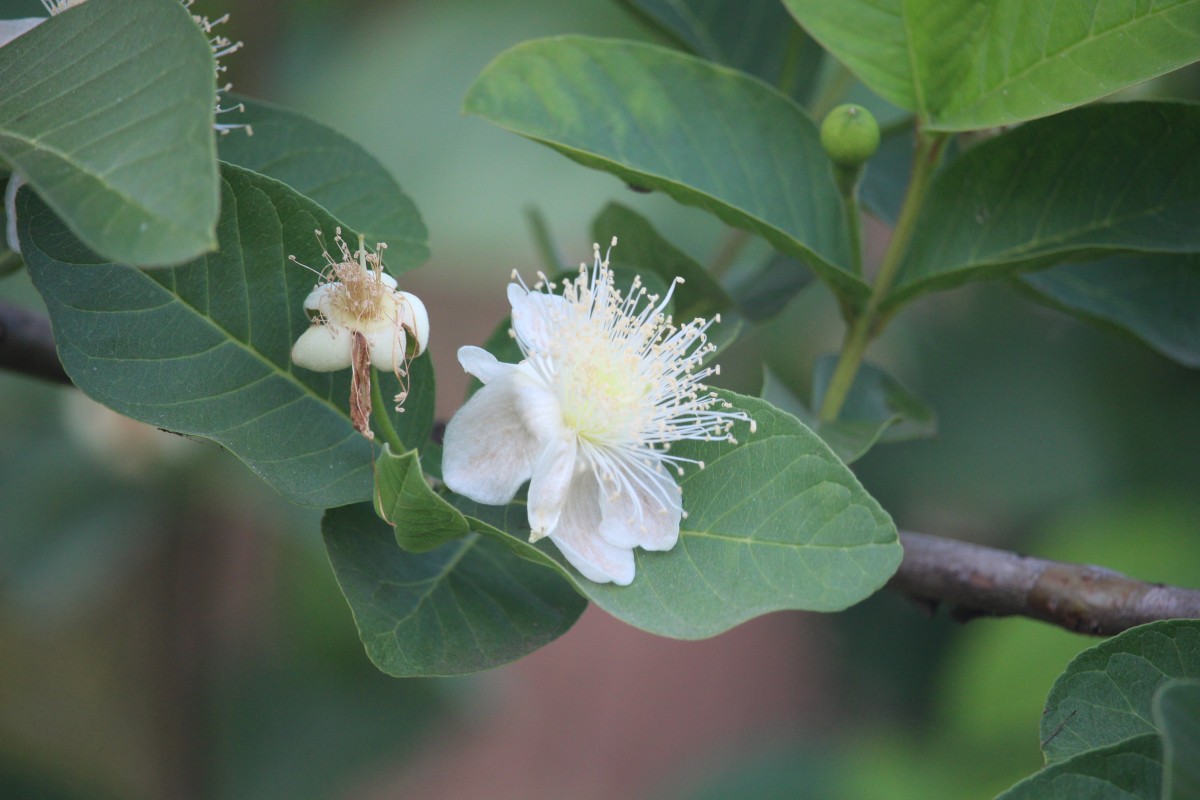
360	320
606	385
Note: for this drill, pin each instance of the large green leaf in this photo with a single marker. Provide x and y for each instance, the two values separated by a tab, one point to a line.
708	136
1177	715
642	249
466	606
774	522
1128	770
1154	297
755	36
1122	176
107	111
204	349
965	65
330	170
422	518
1105	695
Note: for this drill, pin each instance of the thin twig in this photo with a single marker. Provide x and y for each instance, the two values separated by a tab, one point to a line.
982	581
27	345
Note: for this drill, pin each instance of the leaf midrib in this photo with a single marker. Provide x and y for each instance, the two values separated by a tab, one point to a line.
1017	76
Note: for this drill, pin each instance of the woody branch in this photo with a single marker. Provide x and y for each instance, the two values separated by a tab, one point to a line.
974	581
971	579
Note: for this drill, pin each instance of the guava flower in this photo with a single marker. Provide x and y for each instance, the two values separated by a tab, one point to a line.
607	383
359	320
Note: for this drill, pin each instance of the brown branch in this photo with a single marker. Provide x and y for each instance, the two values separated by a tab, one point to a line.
27	345
982	581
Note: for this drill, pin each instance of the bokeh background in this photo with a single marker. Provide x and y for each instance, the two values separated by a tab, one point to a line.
169	627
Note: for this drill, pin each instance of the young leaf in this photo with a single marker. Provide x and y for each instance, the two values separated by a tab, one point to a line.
643	250
1177	715
107	111
966	65
756	36
467	606
332	171
878	410
1121	176
423	520
1154	297
774	522
1104	697
708	136
204	348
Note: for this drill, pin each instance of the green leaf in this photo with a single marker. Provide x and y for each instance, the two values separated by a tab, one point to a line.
422	518
108	112
1104	697
756	36
1121	176
204	349
466	606
764	293
1177	715
707	136
1156	298
332	171
1128	770
1123	720
878	410
641	249
774	522
965	65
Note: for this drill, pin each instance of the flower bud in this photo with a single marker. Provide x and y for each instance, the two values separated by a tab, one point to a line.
850	135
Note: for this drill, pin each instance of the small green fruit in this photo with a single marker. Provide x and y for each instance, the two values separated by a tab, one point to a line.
850	135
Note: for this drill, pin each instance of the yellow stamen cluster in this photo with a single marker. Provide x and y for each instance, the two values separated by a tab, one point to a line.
357	294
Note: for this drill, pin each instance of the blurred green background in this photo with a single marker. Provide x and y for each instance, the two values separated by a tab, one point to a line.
169	627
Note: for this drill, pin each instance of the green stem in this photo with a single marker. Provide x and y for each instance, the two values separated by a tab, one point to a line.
866	326
847	180
382	420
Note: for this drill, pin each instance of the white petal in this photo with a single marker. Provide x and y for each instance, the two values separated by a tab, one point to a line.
488	451
576	538
316	297
388	280
387	348
534	315
482	364
552	473
323	348
642	511
539	406
416	318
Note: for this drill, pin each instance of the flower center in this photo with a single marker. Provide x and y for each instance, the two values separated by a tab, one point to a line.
602	396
